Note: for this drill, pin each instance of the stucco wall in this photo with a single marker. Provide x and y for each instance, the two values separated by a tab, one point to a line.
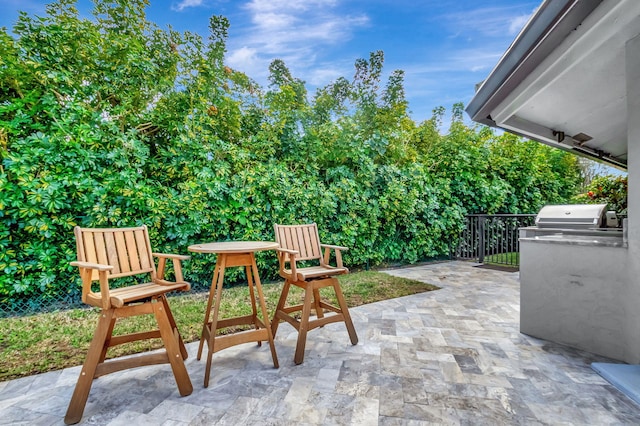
632	289
573	294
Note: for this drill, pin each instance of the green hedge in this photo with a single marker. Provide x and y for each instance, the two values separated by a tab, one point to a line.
116	122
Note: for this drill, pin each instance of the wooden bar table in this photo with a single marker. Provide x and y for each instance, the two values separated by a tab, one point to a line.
234	254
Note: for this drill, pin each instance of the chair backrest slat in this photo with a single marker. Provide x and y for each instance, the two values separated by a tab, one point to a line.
100	247
112	252
294	238
132	250
302	238
89	248
128	250
143	249
121	249
302	245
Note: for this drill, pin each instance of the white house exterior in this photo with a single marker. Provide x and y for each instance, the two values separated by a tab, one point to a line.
571	79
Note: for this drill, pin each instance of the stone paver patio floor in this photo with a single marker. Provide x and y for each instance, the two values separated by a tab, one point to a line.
451	356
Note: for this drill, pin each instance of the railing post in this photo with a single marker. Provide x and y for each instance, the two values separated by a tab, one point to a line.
481	232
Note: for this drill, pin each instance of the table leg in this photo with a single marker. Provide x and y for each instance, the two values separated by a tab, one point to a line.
212	315
220	267
263	307
253	299
207	313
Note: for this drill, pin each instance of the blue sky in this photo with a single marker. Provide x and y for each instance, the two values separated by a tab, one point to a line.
445	47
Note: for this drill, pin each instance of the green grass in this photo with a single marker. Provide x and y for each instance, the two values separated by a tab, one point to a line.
511	258
52	341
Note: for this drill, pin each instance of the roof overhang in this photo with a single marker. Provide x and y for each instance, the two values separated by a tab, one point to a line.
562	81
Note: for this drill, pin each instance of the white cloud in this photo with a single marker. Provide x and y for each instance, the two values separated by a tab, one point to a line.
478	39
187	3
273	21
324	73
261	6
517	23
296	31
456	61
243	58
488	21
474	59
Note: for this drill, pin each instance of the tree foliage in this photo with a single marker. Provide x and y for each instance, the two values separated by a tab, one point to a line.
112	121
610	190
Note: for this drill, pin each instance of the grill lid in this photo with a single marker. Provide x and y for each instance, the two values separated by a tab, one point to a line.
572	216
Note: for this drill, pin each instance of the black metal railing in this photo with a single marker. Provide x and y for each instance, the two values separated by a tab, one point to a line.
493	238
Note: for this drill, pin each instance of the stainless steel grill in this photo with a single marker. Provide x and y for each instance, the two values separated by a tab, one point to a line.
572	216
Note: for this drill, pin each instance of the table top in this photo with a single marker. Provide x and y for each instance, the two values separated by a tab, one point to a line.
233	247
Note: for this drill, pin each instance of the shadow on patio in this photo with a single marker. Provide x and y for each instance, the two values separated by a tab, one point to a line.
452	356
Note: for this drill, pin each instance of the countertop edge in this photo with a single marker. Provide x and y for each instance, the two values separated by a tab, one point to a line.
567	240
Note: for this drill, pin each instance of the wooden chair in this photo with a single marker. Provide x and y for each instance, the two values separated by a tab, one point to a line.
104	254
302	243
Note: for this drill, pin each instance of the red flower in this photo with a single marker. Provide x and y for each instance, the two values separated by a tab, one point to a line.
590	194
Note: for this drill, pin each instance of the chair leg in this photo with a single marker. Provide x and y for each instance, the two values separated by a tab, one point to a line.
174	328
304	325
281	302
316	301
345	312
172	347
107	342
87	374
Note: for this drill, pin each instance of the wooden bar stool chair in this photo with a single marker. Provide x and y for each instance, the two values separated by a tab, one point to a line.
104	254
302	243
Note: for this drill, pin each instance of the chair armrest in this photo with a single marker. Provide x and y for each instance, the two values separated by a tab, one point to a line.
172	256
177	267
89	265
281	252
327	253
187	286
330	246
86	273
288	251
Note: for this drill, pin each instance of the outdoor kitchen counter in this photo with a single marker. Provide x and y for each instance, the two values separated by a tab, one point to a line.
581	237
571	287
579	240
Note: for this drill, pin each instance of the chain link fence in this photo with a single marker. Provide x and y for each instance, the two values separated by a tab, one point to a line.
15	307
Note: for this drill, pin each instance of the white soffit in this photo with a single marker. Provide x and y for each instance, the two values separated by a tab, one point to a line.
579	88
